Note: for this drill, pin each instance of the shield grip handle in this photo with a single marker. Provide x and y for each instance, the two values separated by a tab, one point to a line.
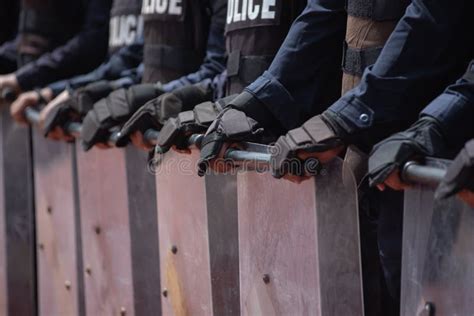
74	128
414	172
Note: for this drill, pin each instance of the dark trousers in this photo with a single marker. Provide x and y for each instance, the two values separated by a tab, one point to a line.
381	223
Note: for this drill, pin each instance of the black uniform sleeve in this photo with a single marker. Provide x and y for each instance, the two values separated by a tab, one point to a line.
305	75
125	60
428	50
8	56
82	53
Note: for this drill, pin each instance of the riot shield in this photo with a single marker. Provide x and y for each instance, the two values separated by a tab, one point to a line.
143	232
299	244
105	232
3	230
17	250
197	219
438	266
115	237
59	258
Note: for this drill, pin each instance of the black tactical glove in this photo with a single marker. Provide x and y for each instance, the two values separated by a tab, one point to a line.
231	125
318	134
156	112
244	119
114	110
176	131
80	102
460	174
422	139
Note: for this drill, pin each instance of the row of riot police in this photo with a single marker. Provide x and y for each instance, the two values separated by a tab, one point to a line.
261	71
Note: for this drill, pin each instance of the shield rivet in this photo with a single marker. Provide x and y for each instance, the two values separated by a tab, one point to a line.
49	210
88	270
123	311
67	284
174	249
364	117
266	278
97	230
165	292
41	246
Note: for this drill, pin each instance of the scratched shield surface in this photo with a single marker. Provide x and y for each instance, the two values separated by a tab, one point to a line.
59	261
3	230
299	245
197	222
105	232
17	250
438	273
417	218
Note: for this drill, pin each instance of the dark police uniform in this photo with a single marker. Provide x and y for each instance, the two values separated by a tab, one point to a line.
70	37
9	10
176	36
255	31
125	49
454	110
214	59
369	24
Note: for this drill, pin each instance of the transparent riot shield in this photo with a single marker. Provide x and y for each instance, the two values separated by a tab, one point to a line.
3	230
143	232
299	244
121	276
438	257
17	250
59	258
105	232
197	219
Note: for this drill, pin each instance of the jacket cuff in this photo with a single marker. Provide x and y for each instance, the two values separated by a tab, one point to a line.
24	77
268	90
454	112
353	114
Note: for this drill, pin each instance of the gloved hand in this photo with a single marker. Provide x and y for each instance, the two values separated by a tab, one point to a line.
422	139
177	130
245	118
114	110
460	174
76	106
231	125
156	112
317	138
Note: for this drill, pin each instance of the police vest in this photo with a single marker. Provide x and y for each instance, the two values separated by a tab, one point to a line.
126	24
255	30
43	28
176	33
369	24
